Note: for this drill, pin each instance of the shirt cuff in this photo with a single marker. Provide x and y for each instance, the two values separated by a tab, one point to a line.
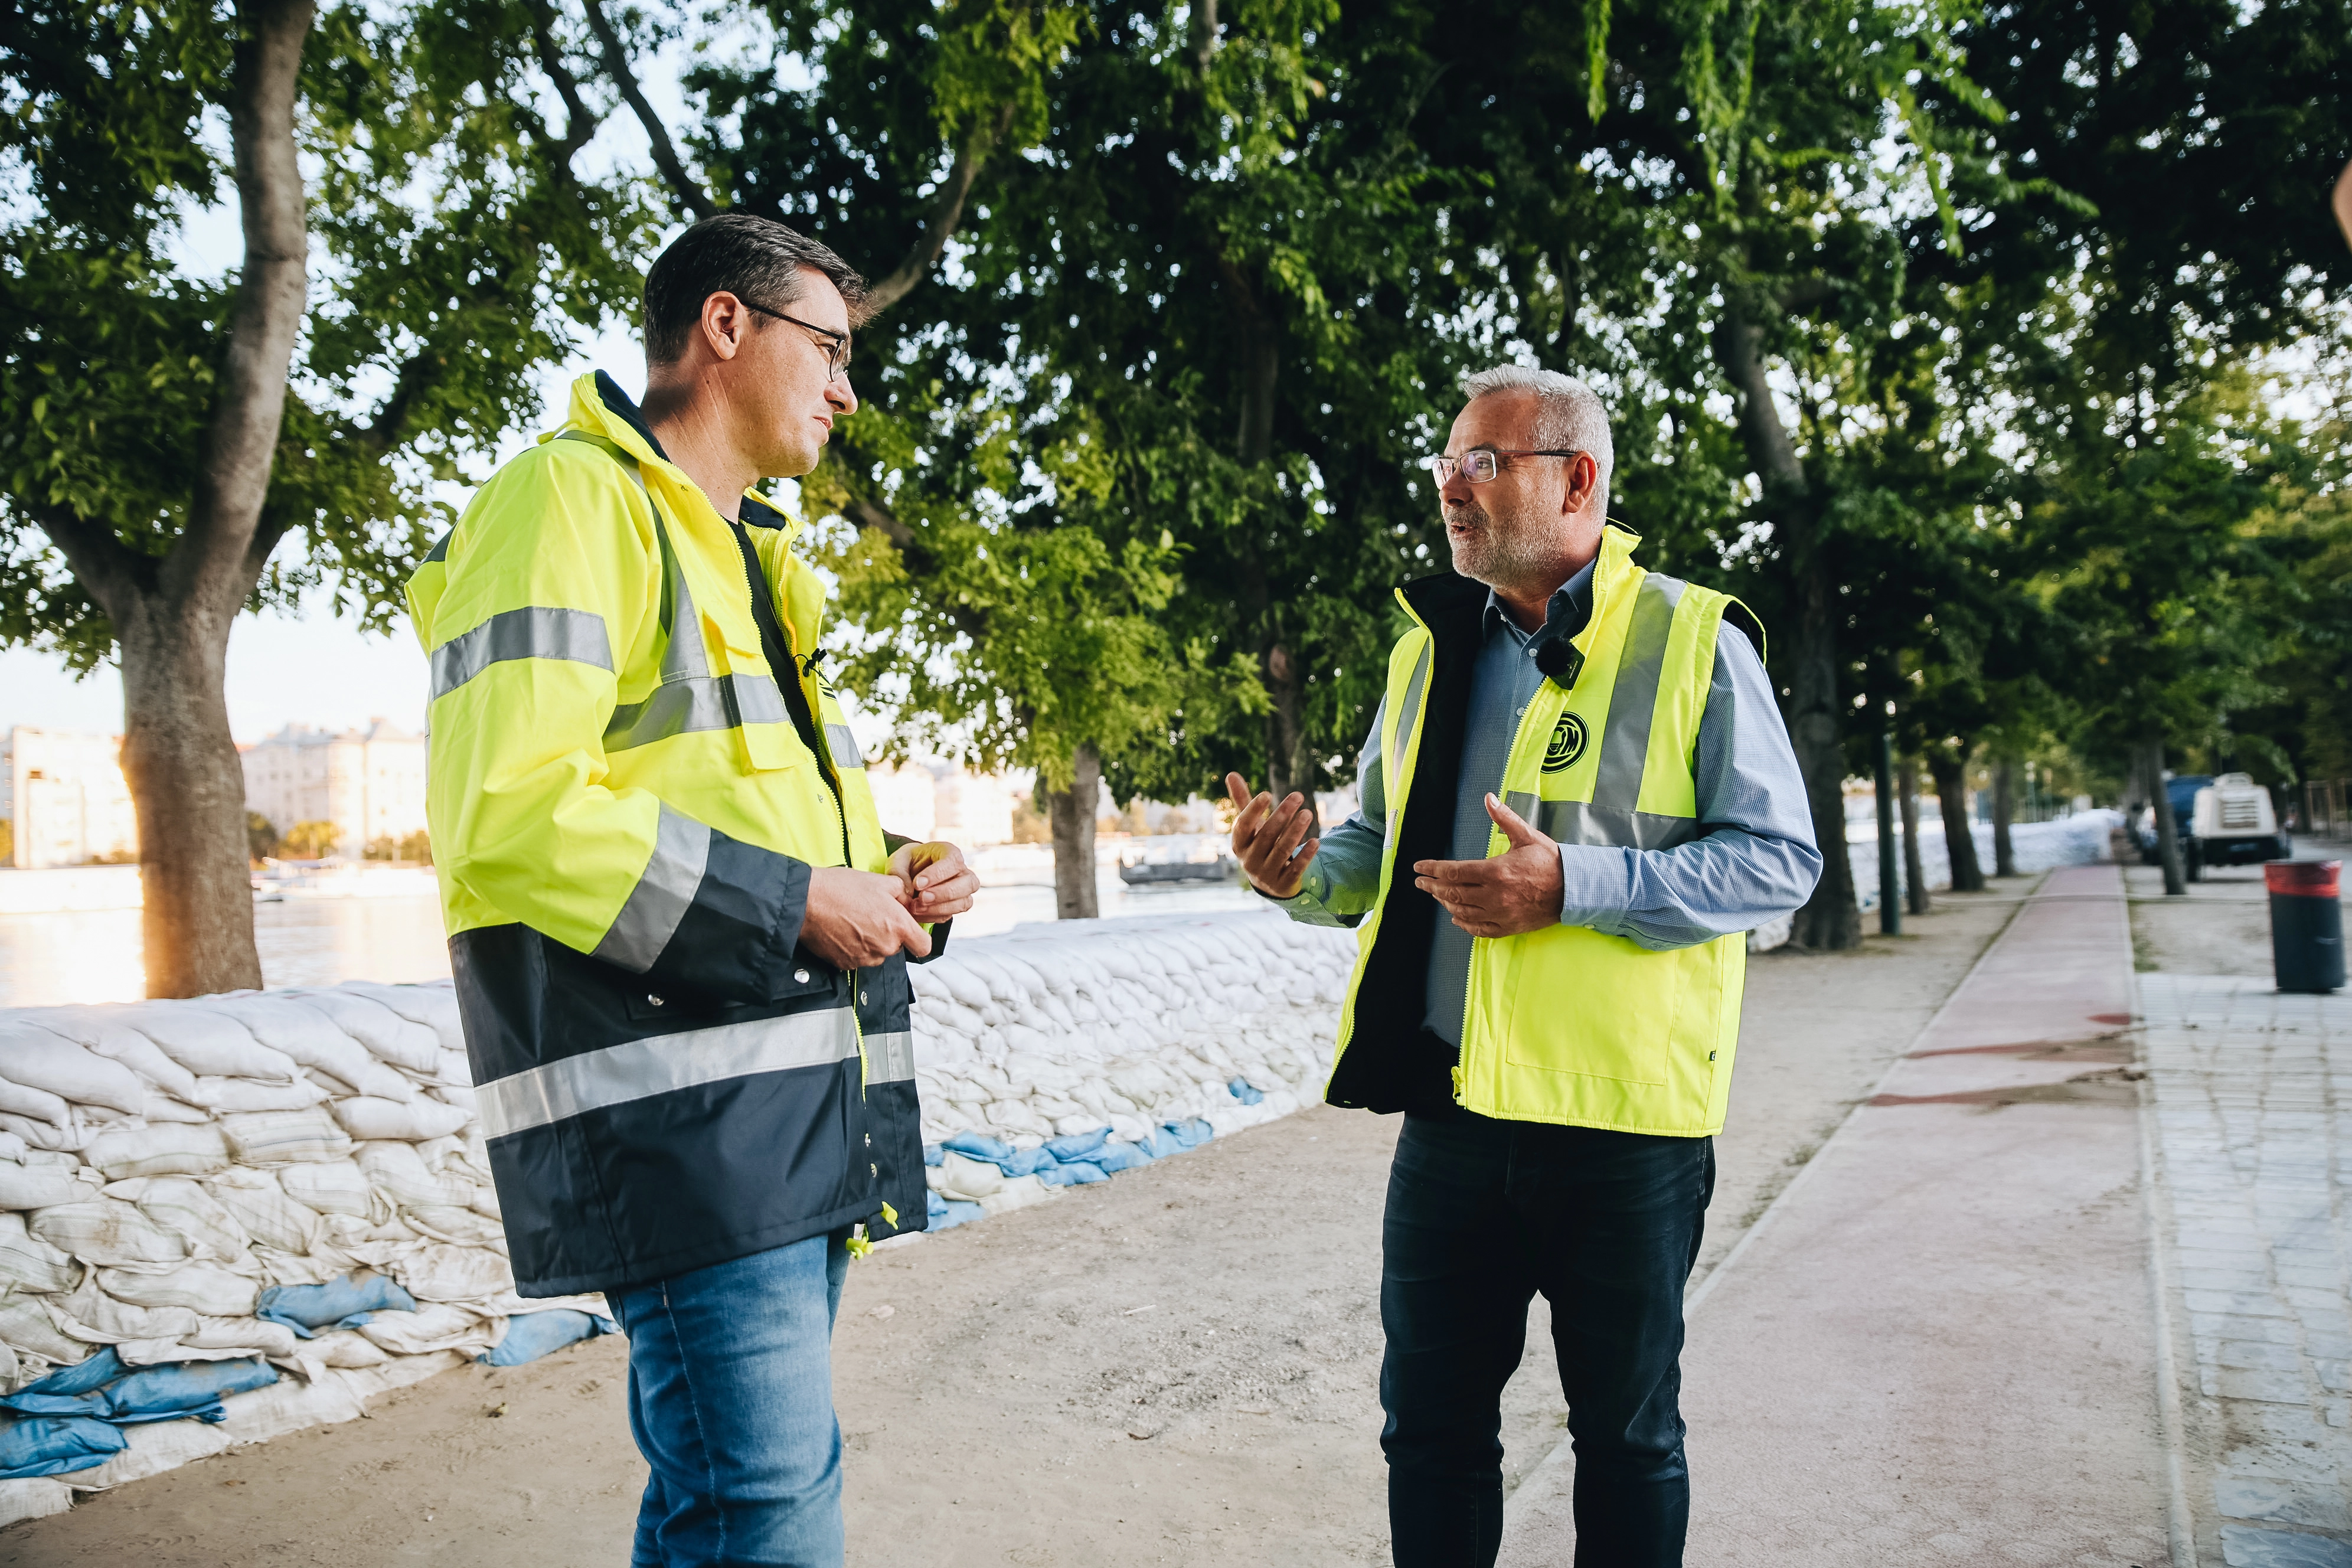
1596	886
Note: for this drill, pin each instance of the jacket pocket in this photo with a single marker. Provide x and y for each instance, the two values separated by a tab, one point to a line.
1584	1004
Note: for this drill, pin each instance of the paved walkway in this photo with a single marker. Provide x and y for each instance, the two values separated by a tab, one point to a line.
1939	1345
2253	1128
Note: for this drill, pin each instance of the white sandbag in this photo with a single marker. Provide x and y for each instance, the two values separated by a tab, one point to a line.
191	1213
436	1327
261	1206
284	1137
173	1149
398	1171
106	1231
42	1134
37	1186
87	1312
162	1106
958	1177
205	1288
30	1264
335	1186
485	1202
440	1272
34	1058
221	1339
36	1497
100	1031
12	1148
345	1350
34	1104
367	1117
387	1036
228	1095
154	1447
433	1004
207	1043
457	1095
299	1032
402	1371
1017	1193
459	1226
288	1405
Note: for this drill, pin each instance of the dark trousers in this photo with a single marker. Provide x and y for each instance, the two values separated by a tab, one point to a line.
1481	1215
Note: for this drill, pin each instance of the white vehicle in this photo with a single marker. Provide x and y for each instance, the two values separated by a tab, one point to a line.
2233	824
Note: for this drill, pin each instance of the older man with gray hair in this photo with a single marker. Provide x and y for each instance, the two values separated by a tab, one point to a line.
1578	797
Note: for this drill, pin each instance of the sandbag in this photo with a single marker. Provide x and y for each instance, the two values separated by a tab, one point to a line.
191	1213
530	1335
150	1451
55	1445
226	1096
302	1035
89	1313
67	1136
398	1171
387	1036
433	1004
435	1327
39	1060
343	1349
173	1149
106	1231
34	1104
98	1030
207	1044
460	1227
37	1186
288	1406
336	1186
29	1325
132	1396
261	1206
959	1176
341	1304
367	1116
440	1272
205	1288
288	1136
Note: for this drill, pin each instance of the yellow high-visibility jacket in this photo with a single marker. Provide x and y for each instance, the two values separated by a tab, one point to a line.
630	781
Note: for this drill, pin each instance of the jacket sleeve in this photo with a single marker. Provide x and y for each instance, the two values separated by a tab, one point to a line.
1343	881
552	578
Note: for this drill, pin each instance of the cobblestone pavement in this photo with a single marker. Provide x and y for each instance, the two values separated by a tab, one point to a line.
2253	1132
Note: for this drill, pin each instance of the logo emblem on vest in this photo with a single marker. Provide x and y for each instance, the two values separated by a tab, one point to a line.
1566	744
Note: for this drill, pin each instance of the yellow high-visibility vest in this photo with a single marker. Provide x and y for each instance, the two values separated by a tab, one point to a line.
1566	1025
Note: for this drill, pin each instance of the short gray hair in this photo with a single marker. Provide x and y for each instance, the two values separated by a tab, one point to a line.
1568	414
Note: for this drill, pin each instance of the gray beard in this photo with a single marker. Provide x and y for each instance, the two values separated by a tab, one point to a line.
1500	555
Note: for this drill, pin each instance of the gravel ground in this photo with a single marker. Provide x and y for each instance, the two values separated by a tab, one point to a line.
2222	926
1179	1366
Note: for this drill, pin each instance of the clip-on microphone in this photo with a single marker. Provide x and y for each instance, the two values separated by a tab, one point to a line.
1560	663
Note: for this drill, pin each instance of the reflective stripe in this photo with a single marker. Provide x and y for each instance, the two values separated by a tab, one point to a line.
1372	785
1409	710
889	1057
533	632
664	891
1581	822
640	1070
684	657
843	745
1633	700
684	707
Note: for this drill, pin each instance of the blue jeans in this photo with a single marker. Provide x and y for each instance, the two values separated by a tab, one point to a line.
731	1401
1481	1215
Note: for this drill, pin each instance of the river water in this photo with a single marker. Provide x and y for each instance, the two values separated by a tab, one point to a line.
94	955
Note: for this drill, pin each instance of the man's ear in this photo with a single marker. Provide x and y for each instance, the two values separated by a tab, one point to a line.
725	324
1570	500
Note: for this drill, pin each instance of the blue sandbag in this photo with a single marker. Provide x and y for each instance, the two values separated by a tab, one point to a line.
54	1445
934	1155
945	1213
343	1303
1191	1134
1240	1090
95	1373
1076	1173
1114	1157
979	1146
1077	1145
1028	1162
530	1335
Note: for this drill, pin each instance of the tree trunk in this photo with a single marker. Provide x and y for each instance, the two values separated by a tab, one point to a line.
1915	874
2168	830
1890	881
1072	812
1830	918
2004	811
172	615
188	789
1257	358
1949	765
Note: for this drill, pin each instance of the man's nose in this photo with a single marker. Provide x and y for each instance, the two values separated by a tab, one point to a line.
1455	491
841	395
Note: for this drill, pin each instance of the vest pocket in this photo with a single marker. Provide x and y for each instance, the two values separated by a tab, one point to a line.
1581	1003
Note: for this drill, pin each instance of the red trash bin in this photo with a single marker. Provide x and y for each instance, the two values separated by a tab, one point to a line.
2306	923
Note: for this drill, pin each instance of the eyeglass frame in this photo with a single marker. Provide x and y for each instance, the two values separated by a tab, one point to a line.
1444	468
836	345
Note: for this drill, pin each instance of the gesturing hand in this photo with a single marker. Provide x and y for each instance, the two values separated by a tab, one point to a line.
1518	890
1274	843
855	920
934	882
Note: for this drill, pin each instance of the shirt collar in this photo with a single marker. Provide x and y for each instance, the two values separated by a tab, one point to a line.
1570	602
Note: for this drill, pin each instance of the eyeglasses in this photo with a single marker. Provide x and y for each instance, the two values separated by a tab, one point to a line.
835	344
1479	465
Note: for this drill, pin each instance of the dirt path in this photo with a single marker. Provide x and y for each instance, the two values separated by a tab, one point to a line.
1176	1367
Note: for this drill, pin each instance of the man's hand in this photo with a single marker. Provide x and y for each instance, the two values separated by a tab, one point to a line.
933	882
1518	890
1274	843
854	919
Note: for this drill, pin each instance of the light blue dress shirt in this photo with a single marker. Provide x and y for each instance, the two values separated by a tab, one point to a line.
1755	858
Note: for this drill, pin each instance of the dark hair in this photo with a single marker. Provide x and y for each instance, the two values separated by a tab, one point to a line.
757	260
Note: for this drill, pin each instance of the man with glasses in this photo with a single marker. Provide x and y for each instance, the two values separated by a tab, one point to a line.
1576	795
678	932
